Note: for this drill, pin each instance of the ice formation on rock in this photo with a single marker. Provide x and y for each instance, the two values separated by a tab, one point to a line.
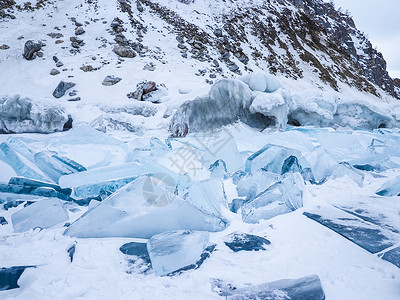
19	115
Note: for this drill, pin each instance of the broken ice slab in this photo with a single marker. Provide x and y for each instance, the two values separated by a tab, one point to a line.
390	188
42	214
270	158
32	190
368	236
10	157
52	167
9	277
393	256
19	146
236	204
92	190
320	163
208	195
72	165
173	250
345	169
102	175
281	198
142	209
36	183
246	242
136	249
253	184
306	288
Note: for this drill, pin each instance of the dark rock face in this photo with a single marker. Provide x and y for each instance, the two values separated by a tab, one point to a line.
31	48
111	80
61	88
301	29
124	51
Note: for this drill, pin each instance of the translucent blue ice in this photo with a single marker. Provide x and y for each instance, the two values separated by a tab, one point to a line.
42	214
141	209
173	250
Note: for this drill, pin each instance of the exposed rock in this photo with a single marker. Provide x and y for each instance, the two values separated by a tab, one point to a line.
31	48
61	88
396	82
149	91
59	41
68	124
74	99
75	45
111	80
59	64
4	47
79	31
54	72
218	32
123	51
149	67
88	68
55	35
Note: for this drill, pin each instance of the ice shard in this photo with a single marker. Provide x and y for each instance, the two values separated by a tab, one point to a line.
93	190
281	198
10	157
39	184
251	185
42	214
32	191
142	209
270	158
345	169
208	195
173	250
390	188
52	167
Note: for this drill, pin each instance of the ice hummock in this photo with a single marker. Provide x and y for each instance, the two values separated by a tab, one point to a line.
173	250
20	115
281	198
225	103
42	214
142	209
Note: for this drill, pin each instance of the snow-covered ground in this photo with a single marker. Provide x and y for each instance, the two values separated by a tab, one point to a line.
299	246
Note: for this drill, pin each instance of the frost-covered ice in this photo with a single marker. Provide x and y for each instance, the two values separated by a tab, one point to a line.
19	115
42	214
173	250
390	188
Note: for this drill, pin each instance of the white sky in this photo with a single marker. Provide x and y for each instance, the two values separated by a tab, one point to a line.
380	20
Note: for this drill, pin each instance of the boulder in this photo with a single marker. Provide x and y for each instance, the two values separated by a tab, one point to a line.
61	88
31	48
